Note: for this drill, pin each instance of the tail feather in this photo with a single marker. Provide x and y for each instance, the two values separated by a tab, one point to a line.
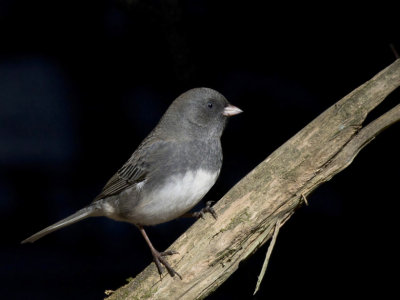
84	213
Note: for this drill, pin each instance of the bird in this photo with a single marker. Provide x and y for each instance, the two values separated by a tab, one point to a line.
168	174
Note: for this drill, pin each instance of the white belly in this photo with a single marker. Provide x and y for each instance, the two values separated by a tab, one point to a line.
181	193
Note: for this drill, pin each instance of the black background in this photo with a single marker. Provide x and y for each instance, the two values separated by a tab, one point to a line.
83	82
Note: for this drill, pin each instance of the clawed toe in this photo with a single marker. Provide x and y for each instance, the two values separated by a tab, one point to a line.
206	209
210	210
169	252
159	260
158	257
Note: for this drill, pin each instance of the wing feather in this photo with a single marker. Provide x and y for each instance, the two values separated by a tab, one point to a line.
135	170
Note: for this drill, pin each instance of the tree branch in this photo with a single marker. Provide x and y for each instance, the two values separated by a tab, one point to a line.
210	251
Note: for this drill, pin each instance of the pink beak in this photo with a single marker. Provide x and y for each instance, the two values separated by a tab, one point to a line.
231	110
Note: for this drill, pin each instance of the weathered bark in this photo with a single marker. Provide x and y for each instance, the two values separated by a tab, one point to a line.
210	251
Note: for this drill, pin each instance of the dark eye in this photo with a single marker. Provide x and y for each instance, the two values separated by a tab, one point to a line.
210	105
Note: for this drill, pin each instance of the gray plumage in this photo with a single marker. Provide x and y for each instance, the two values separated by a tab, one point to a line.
171	170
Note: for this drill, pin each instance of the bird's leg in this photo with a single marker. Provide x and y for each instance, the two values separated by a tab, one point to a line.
200	213
158	257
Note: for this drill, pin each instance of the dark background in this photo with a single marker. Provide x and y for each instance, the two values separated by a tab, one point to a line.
83	82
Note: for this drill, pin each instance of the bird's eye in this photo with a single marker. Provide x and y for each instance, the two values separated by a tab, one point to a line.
210	105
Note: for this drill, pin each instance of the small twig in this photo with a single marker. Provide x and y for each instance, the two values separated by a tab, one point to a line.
305	201
268	255
395	53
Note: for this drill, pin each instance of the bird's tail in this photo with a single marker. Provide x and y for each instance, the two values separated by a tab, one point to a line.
89	211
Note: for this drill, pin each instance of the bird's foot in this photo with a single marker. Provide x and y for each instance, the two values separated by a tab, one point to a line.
159	260
207	209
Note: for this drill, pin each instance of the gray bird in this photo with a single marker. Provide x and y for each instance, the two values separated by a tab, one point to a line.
169	173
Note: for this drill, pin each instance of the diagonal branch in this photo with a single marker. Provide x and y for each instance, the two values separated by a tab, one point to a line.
210	251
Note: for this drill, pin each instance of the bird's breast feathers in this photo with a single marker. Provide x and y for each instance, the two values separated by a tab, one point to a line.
178	194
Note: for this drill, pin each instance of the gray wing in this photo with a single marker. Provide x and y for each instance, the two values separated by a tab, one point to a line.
135	170
128	175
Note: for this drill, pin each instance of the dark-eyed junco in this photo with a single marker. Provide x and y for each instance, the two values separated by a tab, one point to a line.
169	173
